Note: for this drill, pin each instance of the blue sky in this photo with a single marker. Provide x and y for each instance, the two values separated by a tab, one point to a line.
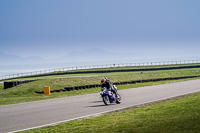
54	28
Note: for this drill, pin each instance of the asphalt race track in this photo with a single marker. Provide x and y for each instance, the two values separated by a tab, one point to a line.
30	115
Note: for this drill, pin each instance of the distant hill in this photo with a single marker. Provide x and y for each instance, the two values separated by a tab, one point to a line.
92	55
6	59
75	56
89	55
95	55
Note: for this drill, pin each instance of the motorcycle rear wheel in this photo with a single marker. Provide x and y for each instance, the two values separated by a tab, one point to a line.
118	99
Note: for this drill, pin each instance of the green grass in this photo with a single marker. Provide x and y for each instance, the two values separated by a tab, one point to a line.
25	92
174	116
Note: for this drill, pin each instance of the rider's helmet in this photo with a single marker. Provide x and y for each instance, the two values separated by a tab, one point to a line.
103	80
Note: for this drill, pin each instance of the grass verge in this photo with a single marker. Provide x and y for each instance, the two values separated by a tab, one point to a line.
173	116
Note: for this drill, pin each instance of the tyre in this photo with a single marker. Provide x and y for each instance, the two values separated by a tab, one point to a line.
118	99
106	100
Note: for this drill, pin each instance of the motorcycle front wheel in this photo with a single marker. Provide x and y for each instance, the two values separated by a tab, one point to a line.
106	100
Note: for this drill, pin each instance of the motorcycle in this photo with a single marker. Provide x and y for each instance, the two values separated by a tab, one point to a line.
109	97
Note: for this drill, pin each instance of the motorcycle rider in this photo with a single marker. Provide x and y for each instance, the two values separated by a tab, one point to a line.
106	83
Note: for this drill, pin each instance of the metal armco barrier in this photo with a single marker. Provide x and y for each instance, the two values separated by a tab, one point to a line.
116	83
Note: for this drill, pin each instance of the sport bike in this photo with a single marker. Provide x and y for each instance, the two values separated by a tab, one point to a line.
109	97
